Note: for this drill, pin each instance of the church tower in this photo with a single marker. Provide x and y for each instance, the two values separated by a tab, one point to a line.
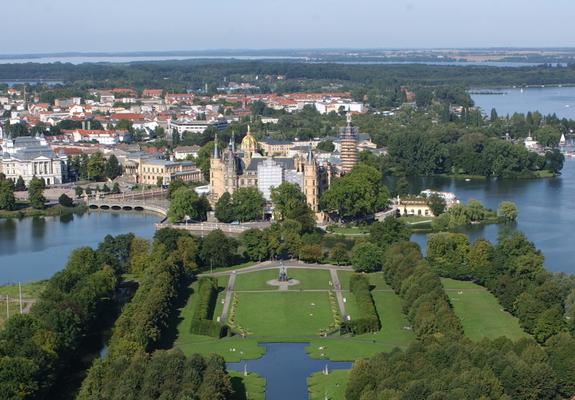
348	139
311	182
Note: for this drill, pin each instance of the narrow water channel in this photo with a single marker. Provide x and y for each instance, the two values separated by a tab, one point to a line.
286	366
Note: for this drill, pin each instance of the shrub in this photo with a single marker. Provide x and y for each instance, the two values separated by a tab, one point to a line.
202	313
65	200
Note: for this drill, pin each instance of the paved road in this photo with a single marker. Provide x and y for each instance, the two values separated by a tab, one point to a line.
276	264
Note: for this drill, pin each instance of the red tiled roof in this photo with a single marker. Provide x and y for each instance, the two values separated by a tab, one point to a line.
128	116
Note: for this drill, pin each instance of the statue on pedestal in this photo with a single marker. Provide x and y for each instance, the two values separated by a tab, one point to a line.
283	277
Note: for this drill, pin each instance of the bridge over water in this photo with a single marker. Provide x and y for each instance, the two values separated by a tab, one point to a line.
154	201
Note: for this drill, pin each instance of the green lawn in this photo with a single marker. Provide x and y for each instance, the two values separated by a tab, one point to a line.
29	290
416	219
331	387
284	314
480	312
392	334
250	387
14	308
310	279
375	279
256	280
350	230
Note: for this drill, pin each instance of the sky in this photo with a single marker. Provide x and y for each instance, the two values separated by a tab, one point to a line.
44	26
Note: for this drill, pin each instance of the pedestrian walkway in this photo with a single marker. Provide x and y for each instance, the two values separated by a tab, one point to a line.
228	298
338	293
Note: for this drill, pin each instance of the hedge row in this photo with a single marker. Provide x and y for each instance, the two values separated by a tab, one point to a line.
206	298
142	322
368	320
424	301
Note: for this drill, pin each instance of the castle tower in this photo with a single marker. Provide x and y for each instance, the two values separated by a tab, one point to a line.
216	173
231	167
311	182
348	140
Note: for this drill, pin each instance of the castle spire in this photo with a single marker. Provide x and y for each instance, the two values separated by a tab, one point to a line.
233	142
309	156
216	150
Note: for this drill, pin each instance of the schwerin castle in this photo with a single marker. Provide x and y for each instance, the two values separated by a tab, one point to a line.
233	168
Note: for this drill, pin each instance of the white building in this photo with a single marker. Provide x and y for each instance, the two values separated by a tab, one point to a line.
270	174
108	138
325	107
30	156
195	126
183	152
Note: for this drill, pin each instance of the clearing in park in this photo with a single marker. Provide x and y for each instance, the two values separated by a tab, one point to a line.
480	313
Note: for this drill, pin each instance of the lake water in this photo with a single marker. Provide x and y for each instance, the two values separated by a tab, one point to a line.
546	211
82	59
35	248
546	100
286	366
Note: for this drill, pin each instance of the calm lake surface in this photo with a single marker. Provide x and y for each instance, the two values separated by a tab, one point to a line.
35	248
546	211
286	366
547	100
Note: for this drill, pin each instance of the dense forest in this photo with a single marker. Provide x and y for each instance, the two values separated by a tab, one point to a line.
443	364
195	74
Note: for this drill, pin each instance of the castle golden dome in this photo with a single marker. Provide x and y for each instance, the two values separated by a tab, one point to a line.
249	143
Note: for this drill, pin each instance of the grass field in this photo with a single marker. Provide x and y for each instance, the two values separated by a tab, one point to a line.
350	230
375	279
256	280
250	387
331	387
480	312
14	308
282	314
310	279
29	290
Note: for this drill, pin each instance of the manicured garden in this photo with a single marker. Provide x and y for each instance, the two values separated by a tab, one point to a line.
480	313
289	314
267	314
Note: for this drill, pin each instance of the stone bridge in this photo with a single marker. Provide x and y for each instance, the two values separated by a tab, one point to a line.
156	205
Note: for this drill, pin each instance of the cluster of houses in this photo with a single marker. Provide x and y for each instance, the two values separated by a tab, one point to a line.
100	122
